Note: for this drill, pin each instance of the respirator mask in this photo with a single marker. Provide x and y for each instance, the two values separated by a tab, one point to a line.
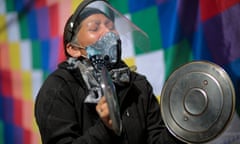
106	51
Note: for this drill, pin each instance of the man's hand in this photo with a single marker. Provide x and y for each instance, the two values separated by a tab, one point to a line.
103	112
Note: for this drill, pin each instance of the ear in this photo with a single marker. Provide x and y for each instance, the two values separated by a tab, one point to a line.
72	51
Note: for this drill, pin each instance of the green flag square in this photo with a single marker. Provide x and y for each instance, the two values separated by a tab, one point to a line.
176	56
147	20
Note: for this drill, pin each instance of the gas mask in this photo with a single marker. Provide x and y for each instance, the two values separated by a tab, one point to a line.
105	52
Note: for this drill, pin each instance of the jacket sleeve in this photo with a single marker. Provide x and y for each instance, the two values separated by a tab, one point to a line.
57	119
157	131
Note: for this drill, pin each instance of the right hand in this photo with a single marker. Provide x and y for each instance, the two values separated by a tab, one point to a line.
103	112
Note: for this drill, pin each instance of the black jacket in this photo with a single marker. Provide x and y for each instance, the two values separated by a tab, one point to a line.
63	117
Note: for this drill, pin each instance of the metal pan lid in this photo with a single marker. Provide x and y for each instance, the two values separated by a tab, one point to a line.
197	102
110	93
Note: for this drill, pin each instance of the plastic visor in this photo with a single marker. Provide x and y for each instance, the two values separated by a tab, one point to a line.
132	37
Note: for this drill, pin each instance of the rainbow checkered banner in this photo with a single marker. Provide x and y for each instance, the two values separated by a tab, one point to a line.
179	31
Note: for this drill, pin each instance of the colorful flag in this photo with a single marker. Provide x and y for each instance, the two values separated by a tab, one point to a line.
179	31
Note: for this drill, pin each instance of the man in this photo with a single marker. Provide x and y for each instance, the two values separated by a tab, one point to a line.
72	107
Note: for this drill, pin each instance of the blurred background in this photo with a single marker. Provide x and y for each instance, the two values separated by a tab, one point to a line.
180	31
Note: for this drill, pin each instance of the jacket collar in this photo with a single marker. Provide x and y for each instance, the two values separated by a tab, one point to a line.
122	88
75	72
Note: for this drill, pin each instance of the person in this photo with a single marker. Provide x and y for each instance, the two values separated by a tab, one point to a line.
71	106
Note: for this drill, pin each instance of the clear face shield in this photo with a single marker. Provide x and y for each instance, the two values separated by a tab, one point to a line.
110	48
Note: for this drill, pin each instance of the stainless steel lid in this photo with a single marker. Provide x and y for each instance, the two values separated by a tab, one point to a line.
109	91
197	102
